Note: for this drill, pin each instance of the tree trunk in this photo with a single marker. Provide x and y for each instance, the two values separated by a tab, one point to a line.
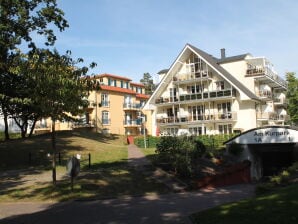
32	127
54	152
5	125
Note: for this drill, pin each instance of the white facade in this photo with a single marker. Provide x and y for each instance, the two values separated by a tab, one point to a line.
207	95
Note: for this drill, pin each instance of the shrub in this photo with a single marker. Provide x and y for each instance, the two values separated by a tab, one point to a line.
235	149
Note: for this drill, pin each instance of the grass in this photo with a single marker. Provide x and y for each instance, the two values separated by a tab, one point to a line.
278	207
109	176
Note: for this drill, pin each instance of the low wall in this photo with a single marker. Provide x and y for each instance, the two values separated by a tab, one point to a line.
237	174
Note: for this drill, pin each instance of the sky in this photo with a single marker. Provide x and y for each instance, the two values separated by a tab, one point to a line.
131	37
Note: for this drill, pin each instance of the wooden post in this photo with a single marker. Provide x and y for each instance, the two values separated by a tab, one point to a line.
89	160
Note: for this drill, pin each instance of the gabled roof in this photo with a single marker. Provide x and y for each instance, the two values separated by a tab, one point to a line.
163	71
137	84
112	76
233	58
224	72
142	96
117	89
213	62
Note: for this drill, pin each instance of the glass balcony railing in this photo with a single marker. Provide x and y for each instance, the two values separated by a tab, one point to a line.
134	106
228	116
135	122
198	96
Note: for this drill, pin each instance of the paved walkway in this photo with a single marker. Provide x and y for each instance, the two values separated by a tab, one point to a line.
138	160
169	208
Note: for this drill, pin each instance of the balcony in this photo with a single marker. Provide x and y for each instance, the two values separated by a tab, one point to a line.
132	106
198	96
132	123
272	116
265	94
262	69
222	117
105	103
91	104
189	77
280	101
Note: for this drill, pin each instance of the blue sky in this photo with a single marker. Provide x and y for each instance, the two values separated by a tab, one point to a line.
131	37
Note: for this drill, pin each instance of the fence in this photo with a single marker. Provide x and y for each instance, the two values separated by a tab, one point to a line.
43	159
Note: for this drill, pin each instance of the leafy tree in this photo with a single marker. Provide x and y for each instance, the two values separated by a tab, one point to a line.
292	95
147	81
20	20
60	88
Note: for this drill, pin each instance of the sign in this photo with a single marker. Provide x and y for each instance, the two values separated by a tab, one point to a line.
73	167
267	135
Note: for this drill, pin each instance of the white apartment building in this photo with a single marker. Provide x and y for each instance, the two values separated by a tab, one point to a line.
200	94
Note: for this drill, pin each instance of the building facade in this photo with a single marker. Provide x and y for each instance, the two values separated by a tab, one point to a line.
200	94
117	107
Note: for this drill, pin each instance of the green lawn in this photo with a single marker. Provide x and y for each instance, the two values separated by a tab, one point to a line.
279	207
109	176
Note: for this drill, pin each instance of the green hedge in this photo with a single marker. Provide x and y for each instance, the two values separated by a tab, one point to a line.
210	141
151	141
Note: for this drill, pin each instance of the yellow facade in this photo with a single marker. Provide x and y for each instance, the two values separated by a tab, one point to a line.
117	107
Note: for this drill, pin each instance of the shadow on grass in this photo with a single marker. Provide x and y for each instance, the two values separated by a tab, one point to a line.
279	206
103	180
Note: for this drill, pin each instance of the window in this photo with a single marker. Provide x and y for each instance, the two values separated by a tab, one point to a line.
173	94
121	83
126	85
225	129
105	100
220	85
195	88
195	131
197	112
105	117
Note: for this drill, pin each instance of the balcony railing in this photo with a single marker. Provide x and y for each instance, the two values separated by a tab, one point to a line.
265	94
134	106
192	76
105	103
280	100
229	116
198	96
272	116
260	70
136	122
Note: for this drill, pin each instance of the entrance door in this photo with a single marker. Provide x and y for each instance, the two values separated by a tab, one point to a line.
276	160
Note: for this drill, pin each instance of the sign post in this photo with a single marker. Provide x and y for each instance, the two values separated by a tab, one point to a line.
73	169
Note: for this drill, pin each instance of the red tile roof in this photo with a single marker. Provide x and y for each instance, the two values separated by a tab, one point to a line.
117	89
112	76
137	84
143	96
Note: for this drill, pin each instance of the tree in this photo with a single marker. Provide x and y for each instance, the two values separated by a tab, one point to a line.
147	81
19	22
60	88
292	96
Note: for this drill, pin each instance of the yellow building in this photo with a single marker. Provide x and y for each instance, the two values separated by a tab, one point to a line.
201	94
117	107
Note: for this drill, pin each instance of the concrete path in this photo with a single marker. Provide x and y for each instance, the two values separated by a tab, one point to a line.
137	159
169	208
